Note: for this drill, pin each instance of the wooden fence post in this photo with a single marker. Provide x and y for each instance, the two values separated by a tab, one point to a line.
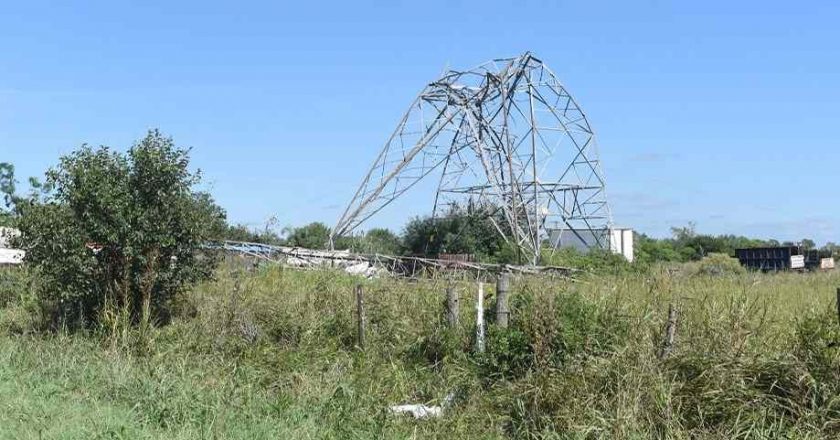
360	314
838	305
670	332
502	310
479	319
452	306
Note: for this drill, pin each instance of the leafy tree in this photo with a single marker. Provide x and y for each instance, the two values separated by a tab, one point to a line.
382	241
246	234
649	250
7	183
687	245
315	235
808	244
7	192
595	260
831	248
685	233
375	241
119	234
467	230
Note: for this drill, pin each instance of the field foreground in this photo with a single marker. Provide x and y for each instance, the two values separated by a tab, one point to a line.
273	355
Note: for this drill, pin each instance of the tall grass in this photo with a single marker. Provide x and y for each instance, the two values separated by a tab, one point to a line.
273	354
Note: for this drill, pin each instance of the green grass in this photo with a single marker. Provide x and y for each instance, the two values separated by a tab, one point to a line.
272	355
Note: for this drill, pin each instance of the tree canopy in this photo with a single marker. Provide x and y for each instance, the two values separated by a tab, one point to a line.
240	232
467	230
119	231
686	244
315	235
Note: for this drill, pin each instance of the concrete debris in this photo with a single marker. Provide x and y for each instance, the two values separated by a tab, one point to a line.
420	411
12	257
300	257
363	268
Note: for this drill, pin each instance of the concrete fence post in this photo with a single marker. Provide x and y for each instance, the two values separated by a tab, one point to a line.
838	305
502	289
452	307
670	333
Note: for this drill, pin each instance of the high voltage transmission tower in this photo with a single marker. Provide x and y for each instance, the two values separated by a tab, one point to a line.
505	136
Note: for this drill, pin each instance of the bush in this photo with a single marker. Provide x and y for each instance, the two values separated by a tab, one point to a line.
551	331
462	230
14	284
818	347
375	241
720	264
315	235
118	231
433	348
509	354
596	260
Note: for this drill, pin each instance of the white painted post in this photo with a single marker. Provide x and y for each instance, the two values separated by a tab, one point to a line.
360	307
479	319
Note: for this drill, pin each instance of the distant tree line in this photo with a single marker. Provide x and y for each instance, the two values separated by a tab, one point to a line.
462	230
470	231
459	231
114	237
685	244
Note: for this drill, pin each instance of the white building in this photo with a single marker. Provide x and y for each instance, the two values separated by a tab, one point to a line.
620	240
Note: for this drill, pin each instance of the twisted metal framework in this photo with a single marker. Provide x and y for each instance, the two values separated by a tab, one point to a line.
371	264
505	135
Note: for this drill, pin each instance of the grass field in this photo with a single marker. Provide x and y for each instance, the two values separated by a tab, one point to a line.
272	354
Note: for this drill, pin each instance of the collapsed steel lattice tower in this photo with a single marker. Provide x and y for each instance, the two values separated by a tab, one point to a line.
506	135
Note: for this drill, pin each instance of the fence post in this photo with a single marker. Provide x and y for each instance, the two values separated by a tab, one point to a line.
360	314
479	319
502	310
452	306
838	305
670	332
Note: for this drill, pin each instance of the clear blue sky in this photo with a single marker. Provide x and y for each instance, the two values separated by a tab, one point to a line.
722	113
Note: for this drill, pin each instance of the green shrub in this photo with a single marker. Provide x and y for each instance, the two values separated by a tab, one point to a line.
14	285
118	232
550	331
818	347
461	230
434	348
585	328
315	235
595	261
720	264
508	354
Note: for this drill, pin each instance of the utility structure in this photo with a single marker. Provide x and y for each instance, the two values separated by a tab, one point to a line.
505	136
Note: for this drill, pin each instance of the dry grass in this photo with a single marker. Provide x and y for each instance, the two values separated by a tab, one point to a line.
272	355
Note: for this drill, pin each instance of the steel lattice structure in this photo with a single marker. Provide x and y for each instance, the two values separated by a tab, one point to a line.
506	135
